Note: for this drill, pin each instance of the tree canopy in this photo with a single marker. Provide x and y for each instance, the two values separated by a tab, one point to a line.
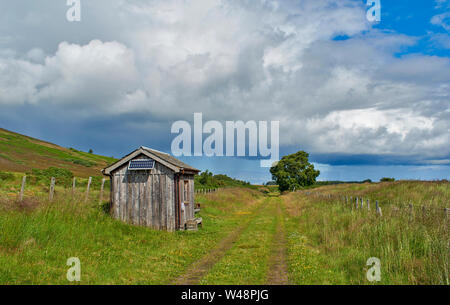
294	171
207	180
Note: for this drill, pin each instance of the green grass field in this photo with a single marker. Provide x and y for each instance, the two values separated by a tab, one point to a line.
326	241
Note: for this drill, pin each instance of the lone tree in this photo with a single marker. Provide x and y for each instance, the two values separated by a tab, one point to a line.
294	171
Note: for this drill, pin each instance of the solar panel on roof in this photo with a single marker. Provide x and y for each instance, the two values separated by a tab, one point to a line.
144	164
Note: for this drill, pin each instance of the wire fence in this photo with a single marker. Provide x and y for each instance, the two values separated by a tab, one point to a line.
359	203
205	191
52	185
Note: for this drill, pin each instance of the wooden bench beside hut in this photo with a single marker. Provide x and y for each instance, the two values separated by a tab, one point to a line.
154	189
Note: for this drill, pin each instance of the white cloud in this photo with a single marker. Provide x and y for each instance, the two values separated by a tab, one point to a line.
97	74
249	60
442	20
442	40
441	3
375	131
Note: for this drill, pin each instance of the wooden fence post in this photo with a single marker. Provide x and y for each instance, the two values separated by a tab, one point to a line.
362	203
378	208
22	188
87	189
101	190
368	204
74	185
356	205
410	209
52	189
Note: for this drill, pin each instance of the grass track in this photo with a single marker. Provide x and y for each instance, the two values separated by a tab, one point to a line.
247	261
277	273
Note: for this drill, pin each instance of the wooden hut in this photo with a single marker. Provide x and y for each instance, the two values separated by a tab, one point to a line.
151	188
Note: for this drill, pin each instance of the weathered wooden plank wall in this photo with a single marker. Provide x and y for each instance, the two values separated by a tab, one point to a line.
148	198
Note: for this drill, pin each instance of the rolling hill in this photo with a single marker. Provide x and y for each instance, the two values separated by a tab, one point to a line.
20	153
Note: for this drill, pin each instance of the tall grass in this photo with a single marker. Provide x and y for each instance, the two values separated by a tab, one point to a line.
413	247
37	237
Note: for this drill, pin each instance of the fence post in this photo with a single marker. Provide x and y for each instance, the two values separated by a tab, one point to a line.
410	209
368	204
362	203
356	205
101	190
22	188
74	185
52	189
87	189
378	208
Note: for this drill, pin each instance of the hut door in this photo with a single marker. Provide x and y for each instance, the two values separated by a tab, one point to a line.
178	215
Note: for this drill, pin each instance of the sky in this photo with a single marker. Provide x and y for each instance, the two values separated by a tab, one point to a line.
365	99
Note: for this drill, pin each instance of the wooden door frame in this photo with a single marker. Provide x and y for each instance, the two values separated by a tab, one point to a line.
177	201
